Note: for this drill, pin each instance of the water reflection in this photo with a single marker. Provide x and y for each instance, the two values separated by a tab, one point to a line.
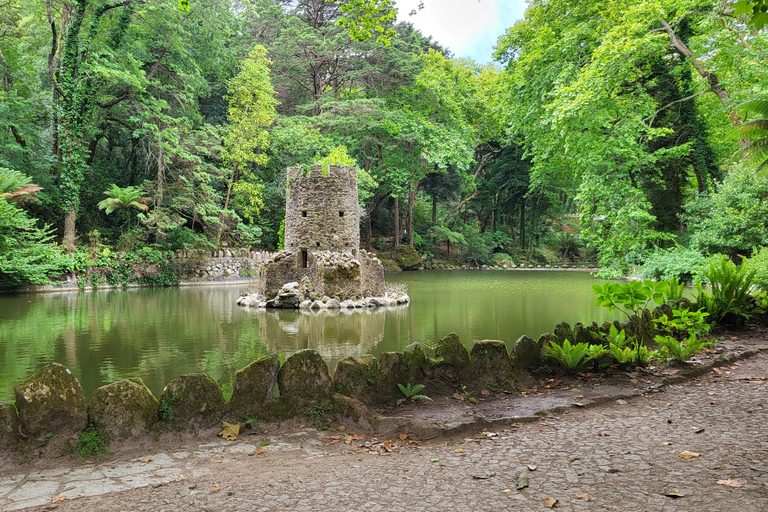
158	334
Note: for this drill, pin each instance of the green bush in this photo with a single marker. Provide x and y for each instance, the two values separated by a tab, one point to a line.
91	444
731	301
570	356
759	264
679	263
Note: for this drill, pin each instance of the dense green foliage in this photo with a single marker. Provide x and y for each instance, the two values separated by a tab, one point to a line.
618	132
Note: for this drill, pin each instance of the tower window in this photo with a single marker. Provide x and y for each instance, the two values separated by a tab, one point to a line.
318	244
304	259
341	214
304	213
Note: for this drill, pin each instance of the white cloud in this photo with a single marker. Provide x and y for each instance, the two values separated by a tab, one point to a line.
469	28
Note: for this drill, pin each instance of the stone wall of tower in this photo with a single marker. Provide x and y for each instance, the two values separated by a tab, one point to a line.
322	210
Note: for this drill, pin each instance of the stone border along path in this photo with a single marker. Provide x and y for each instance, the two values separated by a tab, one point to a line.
184	470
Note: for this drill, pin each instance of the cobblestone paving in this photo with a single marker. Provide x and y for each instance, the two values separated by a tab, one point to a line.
624	455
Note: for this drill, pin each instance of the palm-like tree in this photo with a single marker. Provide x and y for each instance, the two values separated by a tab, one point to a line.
755	132
17	187
123	199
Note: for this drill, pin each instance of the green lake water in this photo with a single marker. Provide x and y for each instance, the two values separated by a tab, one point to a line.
161	333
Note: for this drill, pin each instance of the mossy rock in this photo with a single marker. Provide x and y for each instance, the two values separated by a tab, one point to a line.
9	428
195	401
564	332
407	258
304	376
527	354
490	364
254	385
123	409
358	378
51	409
283	408
451	366
389	265
663	309
390	375
346	407
580	334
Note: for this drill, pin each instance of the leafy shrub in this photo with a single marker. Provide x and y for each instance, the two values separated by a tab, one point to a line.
732	220
681	350
91	444
684	322
679	263
731	301
412	393
568	355
759	264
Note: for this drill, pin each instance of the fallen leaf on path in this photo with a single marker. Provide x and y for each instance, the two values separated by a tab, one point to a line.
584	496
602	434
507	491
21	433
549	501
532	467
522	480
218	489
459	451
230	431
698	430
437	459
147	460
674	494
58	498
578	404
403	437
670	372
484	477
688	455
285	480
623	453
574	459
667	443
730	483
633	381
260	451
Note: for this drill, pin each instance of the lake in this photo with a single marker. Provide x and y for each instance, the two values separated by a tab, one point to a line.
160	333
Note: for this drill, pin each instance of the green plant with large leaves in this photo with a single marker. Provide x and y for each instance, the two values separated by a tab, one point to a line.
731	301
755	132
17	187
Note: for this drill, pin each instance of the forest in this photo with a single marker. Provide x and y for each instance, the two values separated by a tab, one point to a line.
632	134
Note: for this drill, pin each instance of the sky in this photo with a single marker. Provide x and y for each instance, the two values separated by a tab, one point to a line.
469	28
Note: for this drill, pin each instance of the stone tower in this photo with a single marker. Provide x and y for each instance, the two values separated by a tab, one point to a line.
322	238
322	211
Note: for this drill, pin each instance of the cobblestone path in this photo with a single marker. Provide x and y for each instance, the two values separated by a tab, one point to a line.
622	456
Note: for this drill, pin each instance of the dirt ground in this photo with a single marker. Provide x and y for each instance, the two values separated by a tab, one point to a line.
620	449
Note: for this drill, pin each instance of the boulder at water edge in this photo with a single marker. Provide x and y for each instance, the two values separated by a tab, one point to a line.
491	364
527	354
9	423
358	378
123	409
451	364
304	376
192	401
254	385
51	409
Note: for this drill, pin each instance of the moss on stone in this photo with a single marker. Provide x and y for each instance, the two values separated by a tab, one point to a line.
357	378
9	423
123	409
490	364
254	385
304	375
51	409
196	401
407	258
527	354
564	332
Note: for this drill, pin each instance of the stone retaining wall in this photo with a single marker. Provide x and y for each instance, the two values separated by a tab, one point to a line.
50	410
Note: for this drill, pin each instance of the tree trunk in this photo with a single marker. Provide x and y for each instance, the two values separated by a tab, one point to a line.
69	230
434	209
522	223
397	223
411	201
714	83
495	212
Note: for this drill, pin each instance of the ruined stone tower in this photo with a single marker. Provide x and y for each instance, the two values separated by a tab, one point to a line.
322	238
322	211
